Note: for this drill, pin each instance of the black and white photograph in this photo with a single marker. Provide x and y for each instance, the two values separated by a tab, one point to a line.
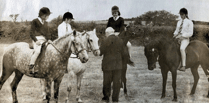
104	51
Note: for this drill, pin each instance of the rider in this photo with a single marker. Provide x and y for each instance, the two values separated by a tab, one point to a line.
39	34
183	32
65	28
117	23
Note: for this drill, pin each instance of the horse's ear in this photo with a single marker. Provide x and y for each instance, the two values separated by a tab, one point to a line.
83	33
146	41
74	33
94	30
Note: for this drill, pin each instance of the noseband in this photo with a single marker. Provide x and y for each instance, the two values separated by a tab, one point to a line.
76	51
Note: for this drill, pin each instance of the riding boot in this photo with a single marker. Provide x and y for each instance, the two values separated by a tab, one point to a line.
31	68
183	68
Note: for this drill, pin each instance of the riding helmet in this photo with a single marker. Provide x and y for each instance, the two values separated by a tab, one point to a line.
44	11
115	9
183	10
67	15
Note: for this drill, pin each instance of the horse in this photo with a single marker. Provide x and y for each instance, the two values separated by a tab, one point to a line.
166	51
126	36
75	67
51	63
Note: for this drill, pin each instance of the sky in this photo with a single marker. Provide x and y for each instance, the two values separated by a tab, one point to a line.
83	10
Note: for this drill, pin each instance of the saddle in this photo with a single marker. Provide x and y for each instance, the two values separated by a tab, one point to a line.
43	49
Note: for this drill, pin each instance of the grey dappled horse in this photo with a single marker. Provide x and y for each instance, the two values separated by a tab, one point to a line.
76	67
168	51
51	66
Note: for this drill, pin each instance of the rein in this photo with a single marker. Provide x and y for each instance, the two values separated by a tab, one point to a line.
65	55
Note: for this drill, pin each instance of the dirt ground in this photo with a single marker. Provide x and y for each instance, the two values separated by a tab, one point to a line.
143	86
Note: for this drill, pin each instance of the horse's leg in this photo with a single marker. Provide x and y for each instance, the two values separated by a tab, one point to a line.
196	78
174	75
79	78
15	82
43	86
164	75
5	75
123	79
47	84
56	88
69	88
205	68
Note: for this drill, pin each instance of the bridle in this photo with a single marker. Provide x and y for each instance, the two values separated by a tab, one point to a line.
76	52
89	42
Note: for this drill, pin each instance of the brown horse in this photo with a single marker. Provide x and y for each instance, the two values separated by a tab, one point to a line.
126	36
51	66
168	51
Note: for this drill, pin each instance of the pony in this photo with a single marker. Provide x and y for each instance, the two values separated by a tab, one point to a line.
75	67
126	36
51	63
166	51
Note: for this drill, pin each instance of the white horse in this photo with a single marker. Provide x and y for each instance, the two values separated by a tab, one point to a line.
76	67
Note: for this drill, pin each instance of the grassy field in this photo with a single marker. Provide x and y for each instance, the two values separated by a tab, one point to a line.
144	86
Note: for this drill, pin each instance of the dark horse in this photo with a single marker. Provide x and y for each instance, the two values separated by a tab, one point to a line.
126	36
168	51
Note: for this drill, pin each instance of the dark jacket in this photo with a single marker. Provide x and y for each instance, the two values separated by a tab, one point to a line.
38	29
117	25
112	49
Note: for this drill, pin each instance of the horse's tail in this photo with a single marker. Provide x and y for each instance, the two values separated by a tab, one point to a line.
6	70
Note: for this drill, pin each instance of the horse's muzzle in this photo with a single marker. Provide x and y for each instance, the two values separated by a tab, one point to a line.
96	52
84	60
151	66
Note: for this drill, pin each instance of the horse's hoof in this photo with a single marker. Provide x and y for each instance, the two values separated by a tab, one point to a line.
54	101
121	89
175	100
125	94
163	96
191	94
67	101
79	100
15	102
45	101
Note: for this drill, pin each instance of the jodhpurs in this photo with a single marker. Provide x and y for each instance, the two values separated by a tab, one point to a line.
37	50
184	44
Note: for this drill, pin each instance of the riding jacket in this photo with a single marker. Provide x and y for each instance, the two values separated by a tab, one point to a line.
39	29
117	25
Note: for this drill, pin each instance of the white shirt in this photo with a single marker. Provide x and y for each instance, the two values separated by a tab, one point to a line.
116	18
62	29
187	28
40	20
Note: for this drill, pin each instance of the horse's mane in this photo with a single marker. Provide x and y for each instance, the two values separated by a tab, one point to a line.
160	38
56	41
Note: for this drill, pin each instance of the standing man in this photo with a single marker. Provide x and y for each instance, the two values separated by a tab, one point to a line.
39	34
112	49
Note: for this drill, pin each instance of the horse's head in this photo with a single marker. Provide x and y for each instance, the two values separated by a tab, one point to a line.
131	33
151	53
93	41
77	47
